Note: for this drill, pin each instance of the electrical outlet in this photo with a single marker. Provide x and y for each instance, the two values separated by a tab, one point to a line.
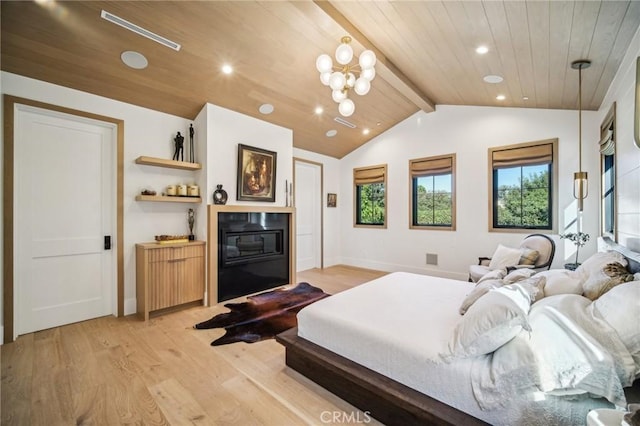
432	259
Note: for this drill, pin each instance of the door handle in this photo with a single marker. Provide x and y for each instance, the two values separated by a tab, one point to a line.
107	242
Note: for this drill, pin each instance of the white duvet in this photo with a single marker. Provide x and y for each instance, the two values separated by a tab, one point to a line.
400	324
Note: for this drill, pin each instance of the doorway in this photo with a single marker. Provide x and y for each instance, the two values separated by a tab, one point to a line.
308	203
63	192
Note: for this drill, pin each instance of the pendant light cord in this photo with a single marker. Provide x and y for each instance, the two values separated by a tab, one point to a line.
580	119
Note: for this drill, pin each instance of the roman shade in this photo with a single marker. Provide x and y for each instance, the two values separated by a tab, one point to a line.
368	175
431	166
522	156
607	144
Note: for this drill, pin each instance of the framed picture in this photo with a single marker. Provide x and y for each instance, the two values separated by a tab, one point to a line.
256	174
332	200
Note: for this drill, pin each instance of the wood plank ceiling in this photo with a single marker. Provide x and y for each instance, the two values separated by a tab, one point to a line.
426	55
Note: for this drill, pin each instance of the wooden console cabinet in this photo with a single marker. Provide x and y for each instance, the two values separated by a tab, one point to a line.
168	275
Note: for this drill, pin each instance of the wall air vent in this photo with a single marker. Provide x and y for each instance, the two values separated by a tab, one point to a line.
139	30
344	122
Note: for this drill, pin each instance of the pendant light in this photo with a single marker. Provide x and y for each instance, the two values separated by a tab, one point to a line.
580	183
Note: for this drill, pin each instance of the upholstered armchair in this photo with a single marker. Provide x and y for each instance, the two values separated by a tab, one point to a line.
536	251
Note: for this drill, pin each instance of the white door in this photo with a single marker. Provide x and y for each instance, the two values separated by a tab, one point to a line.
308	203
64	205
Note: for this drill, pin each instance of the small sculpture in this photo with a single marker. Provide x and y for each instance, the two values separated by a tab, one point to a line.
192	219
192	156
179	141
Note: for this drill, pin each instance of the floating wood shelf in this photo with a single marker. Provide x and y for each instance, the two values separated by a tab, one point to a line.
172	164
169	199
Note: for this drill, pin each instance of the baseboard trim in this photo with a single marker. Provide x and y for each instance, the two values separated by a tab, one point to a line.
391	267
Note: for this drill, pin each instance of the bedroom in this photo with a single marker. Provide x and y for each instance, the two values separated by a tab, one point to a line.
397	247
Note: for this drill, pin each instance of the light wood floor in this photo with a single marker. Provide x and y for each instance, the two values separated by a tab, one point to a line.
112	371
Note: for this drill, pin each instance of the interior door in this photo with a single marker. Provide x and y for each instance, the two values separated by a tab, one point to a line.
64	207
308	203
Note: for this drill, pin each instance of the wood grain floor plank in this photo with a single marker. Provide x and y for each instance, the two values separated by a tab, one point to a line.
16	373
123	371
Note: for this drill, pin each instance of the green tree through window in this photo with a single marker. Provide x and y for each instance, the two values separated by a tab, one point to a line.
522	197
432	200
370	204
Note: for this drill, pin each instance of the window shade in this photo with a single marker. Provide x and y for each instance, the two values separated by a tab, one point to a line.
431	167
523	156
607	147
369	175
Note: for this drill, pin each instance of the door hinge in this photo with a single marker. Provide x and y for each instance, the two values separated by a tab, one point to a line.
107	242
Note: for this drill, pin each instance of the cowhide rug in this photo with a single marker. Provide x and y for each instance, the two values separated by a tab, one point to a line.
264	315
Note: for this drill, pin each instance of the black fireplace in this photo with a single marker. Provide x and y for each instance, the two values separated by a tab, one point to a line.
253	252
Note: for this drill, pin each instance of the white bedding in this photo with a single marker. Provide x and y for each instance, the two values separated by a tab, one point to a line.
384	326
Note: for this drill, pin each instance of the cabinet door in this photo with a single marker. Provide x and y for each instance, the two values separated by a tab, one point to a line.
163	283
192	279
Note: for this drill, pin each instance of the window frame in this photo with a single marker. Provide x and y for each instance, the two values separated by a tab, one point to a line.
412	193
609	123
553	187
356	207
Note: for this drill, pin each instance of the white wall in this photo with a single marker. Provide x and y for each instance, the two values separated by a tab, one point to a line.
622	92
468	132
225	130
331	216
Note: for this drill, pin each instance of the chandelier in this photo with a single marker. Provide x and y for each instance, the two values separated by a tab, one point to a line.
346	76
580	183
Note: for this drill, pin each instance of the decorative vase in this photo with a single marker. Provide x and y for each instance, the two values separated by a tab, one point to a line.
219	195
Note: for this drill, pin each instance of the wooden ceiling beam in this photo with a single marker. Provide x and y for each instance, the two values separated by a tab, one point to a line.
384	67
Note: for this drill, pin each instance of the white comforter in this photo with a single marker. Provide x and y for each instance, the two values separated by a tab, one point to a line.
568	352
398	325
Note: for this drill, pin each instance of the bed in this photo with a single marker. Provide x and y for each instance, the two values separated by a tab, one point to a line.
364	345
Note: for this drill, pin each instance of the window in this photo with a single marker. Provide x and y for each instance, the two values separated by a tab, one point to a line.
370	196
608	173
522	185
433	192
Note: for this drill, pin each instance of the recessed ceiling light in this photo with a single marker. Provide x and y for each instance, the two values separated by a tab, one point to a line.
481	50
331	133
266	109
319	110
365	131
227	69
501	97
134	60
493	79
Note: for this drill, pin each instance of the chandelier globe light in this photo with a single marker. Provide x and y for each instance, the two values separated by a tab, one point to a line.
345	75
580	180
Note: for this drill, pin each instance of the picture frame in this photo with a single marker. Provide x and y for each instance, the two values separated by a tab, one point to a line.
332	199
256	174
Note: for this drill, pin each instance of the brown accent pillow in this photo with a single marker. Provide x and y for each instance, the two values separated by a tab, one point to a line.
528	257
617	274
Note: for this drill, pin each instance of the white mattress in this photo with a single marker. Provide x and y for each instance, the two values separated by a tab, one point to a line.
398	325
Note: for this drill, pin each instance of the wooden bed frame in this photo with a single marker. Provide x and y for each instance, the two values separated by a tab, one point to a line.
386	400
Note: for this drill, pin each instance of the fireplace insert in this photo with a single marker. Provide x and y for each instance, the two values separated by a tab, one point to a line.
253	253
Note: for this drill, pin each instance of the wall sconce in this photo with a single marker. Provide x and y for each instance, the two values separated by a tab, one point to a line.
580	183
346	76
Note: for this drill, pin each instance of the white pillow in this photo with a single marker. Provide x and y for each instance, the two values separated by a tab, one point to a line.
620	307
493	320
479	290
561	281
505	256
518	275
496	274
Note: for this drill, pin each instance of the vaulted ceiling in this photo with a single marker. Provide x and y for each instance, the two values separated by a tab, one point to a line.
425	49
